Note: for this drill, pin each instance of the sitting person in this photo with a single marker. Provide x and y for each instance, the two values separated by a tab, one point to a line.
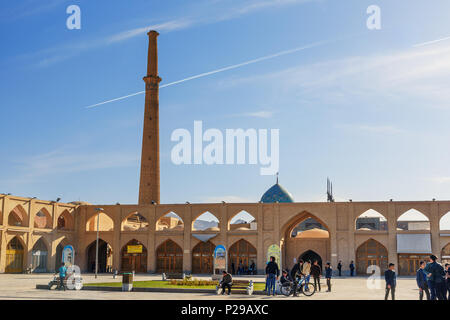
285	278
226	282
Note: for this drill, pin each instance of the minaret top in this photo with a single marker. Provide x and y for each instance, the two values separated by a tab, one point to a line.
152	63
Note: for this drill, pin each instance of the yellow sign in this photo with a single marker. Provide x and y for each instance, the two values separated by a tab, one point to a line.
134	249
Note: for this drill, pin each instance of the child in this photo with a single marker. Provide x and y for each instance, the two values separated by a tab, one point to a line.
328	274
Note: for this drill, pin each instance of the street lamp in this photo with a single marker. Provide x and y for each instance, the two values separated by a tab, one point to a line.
99	210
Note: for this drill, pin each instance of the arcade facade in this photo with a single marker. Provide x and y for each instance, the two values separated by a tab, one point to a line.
33	233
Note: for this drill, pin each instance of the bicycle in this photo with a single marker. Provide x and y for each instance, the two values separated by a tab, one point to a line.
306	288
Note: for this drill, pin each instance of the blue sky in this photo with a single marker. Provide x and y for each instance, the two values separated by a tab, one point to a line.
368	108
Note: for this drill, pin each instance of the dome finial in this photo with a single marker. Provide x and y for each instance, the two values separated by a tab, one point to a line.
277	176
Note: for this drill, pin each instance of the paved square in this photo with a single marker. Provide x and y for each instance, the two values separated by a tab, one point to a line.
22	286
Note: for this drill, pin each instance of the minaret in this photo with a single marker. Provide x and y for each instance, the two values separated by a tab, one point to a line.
149	182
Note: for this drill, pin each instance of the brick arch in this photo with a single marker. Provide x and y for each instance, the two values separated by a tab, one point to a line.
298	218
445	217
235	213
212	211
371	252
106	254
143	224
68	221
359	216
18	214
91	224
40	222
198	215
158	221
400	211
169	257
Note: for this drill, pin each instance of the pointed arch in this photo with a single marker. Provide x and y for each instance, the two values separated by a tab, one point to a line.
134	257
170	221
105	256
242	220
444	222
15	251
106	223
242	257
43	219
206	221
310	256
202	258
169	257
65	221
40	256
18	217
59	249
371	252
134	222
413	220
371	220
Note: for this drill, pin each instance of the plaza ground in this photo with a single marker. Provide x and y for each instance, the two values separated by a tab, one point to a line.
23	286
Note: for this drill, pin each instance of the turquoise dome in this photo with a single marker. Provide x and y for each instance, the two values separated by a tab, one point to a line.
276	193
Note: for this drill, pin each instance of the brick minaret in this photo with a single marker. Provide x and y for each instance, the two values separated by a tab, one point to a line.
149	182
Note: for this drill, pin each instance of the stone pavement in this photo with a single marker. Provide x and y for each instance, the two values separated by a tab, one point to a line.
22	286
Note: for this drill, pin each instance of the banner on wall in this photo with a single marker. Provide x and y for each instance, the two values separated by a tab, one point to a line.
220	258
274	251
68	255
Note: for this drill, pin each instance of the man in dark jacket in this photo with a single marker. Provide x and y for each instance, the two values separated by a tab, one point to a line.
391	281
436	275
421	279
339	267
296	272
352	268
272	274
328	275
226	282
316	272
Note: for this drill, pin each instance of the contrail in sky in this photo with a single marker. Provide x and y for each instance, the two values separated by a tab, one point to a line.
430	42
201	75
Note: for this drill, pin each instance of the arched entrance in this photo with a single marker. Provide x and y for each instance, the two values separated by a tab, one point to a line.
306	237
202	258
104	257
14	256
39	256
134	257
169	257
311	256
241	255
370	253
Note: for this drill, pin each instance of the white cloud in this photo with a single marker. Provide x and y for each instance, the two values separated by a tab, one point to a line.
420	74
376	129
440	180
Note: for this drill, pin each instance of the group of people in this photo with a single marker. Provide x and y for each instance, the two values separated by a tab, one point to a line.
301	270
243	269
351	267
432	279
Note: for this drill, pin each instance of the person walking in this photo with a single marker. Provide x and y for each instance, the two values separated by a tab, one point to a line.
421	279
391	281
352	268
272	274
62	276
233	270
316	272
436	276
339	267
328	275
296	273
226	282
